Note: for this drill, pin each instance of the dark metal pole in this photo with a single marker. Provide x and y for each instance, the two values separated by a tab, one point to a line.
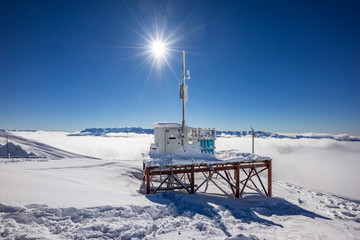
269	178
237	180
253	136
192	180
183	99
7	147
147	175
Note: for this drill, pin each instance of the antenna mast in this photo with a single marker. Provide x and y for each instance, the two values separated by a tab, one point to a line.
7	146
253	136
184	97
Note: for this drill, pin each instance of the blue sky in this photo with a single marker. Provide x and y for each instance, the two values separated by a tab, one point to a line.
285	66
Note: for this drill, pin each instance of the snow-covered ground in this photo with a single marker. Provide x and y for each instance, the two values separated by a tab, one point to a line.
92	188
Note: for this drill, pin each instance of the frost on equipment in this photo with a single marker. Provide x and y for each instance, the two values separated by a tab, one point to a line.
184	158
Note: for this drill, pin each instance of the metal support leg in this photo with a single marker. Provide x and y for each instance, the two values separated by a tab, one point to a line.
227	176
261	182
143	172
237	180
247	179
269	179
192	179
147	175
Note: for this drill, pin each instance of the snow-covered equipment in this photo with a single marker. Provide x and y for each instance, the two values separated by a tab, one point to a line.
179	152
206	138
167	137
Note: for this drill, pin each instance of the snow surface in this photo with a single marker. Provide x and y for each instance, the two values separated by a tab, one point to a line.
322	164
193	155
123	146
19	146
73	197
14	151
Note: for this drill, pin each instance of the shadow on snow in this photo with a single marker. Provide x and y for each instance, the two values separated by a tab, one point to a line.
249	209
203	212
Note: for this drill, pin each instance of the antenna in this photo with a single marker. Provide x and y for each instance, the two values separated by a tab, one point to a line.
7	146
184	97
253	136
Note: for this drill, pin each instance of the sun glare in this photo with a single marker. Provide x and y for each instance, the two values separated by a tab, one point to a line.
159	42
158	49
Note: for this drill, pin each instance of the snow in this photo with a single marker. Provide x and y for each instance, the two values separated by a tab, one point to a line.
14	150
69	182
72	197
166	124
193	155
19	146
125	146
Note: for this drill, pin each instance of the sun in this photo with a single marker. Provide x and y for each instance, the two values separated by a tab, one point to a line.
159	51
158	48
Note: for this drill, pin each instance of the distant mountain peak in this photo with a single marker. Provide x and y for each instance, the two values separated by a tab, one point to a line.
259	134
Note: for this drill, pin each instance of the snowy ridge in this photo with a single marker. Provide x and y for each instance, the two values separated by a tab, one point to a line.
20	147
259	134
15	151
104	131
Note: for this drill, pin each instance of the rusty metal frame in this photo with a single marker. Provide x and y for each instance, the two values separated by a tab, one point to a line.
186	179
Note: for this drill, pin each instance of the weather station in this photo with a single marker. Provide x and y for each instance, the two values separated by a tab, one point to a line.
183	158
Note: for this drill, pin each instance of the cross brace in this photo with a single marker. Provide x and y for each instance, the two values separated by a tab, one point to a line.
187	179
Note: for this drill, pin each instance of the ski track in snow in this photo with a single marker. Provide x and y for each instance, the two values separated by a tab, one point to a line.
103	199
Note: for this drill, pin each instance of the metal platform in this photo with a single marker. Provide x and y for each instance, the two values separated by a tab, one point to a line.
183	176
